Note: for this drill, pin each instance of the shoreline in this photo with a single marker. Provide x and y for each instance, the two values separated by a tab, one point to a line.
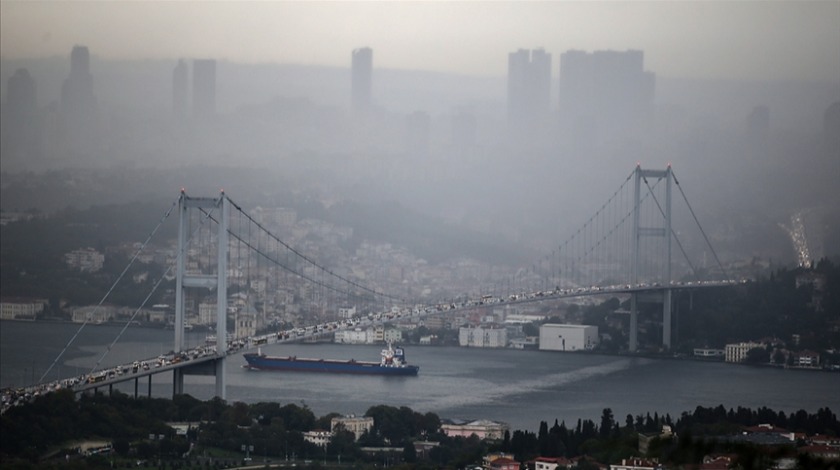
661	356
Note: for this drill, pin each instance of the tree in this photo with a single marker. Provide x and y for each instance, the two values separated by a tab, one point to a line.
606	423
757	356
409	452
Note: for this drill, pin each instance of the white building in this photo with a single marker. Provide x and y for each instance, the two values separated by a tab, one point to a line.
20	309
482	337
319	437
246	323
483	429
207	312
94	314
392	335
346	313
556	337
354	336
737	352
358	425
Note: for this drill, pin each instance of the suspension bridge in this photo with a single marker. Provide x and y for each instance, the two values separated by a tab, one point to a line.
224	252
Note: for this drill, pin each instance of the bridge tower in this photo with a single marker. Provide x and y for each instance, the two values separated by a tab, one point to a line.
202	281
639	232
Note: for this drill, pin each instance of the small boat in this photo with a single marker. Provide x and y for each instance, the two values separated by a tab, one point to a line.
392	362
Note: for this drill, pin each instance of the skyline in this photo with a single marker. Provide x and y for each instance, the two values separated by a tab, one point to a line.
777	40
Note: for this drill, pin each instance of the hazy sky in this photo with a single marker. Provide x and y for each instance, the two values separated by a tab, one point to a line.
709	39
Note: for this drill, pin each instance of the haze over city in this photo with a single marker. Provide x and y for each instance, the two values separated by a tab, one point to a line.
736	95
563	209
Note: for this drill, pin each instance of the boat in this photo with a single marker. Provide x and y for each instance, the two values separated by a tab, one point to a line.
392	363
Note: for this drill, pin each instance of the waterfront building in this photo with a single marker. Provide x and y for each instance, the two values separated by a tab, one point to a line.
354	336
358	425
564	337
21	309
482	337
806	359
392	335
94	314
361	78
737	352
709	353
482	428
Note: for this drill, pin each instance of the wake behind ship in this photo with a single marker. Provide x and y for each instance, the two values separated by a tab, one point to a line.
392	362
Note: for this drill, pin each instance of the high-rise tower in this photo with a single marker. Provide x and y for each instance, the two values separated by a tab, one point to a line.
529	86
77	100
606	90
19	124
78	120
204	88
361	79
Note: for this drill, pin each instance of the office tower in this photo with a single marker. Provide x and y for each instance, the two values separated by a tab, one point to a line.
529	86
19	121
77	100
605	90
78	127
180	77
204	88
361	79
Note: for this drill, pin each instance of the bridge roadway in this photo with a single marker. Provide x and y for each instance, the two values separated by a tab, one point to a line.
202	360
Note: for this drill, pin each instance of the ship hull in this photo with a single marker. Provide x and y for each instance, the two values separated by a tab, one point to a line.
293	364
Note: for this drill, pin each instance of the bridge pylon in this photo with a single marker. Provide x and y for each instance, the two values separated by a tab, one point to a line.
203	281
638	233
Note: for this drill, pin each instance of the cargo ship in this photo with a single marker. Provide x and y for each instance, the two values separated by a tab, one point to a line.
392	362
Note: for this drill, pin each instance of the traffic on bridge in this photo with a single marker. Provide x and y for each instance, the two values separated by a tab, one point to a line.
208	352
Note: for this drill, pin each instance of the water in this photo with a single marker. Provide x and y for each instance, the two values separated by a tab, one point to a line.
520	388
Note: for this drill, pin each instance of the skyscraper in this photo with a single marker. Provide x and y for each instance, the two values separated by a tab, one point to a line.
180	80
77	100
361	79
529	86
608	90
78	121
204	88
19	124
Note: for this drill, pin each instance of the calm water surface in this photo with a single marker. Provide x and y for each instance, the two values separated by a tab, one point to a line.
521	388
